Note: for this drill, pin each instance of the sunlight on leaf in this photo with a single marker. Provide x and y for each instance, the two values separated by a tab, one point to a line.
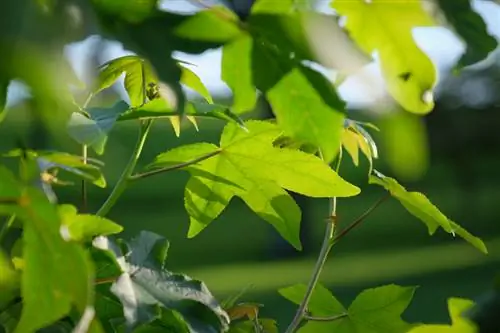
456	307
386	27
249	166
422	208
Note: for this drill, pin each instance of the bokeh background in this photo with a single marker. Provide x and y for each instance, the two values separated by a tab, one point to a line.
452	155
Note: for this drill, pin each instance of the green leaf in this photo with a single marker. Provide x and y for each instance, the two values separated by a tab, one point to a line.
237	73
249	326
308	109
139	74
169	321
57	274
9	317
190	79
376	310
459	324
386	27
274	7
4	86
9	186
83	227
146	285
422	208
479	43
93	130
9	280
248	165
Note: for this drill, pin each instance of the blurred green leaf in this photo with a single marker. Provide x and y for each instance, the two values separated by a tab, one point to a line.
4	85
471	28
265	326
308	109
237	72
403	137
274	7
386	27
9	317
56	274
145	285
456	307
376	310
83	227
9	280
249	166
93	130
191	80
422	208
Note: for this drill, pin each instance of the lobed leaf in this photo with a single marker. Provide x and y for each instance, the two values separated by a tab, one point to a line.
247	165
422	208
376	310
386	28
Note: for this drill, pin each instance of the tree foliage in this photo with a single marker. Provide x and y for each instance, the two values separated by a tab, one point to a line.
69	272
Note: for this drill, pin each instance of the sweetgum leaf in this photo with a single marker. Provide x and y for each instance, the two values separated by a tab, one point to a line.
145	287
479	43
422	208
459	324
376	310
386	27
248	165
191	80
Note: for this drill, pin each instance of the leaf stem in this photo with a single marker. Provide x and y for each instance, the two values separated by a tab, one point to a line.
175	166
7	225
329	318
320	262
127	172
360	219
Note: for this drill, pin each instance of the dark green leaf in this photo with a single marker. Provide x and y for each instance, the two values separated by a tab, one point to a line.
471	28
9	317
9	280
250	326
4	85
422	208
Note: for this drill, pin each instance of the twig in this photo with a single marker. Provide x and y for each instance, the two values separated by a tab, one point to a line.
175	167
329	318
360	219
127	172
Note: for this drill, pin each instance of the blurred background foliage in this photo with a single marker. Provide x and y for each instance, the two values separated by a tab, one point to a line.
452	155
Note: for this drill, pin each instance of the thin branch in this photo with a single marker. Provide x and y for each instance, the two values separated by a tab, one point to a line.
175	167
127	172
360	219
329	318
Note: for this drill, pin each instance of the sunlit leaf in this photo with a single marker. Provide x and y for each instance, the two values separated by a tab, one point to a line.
376	310
422	208
9	280
459	324
249	166
83	227
191	80
471	28
386	27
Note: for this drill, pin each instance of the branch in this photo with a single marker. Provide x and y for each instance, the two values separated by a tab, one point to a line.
175	167
127	172
360	219
329	318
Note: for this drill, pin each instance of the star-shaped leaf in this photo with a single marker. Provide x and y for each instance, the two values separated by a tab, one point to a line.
386	27
459	324
376	310
248	165
422	208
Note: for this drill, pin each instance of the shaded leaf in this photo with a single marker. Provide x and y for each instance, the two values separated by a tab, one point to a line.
4	86
249	166
471	28
456	308
242	310
422	208
386	27
376	310
249	326
92	130
9	280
